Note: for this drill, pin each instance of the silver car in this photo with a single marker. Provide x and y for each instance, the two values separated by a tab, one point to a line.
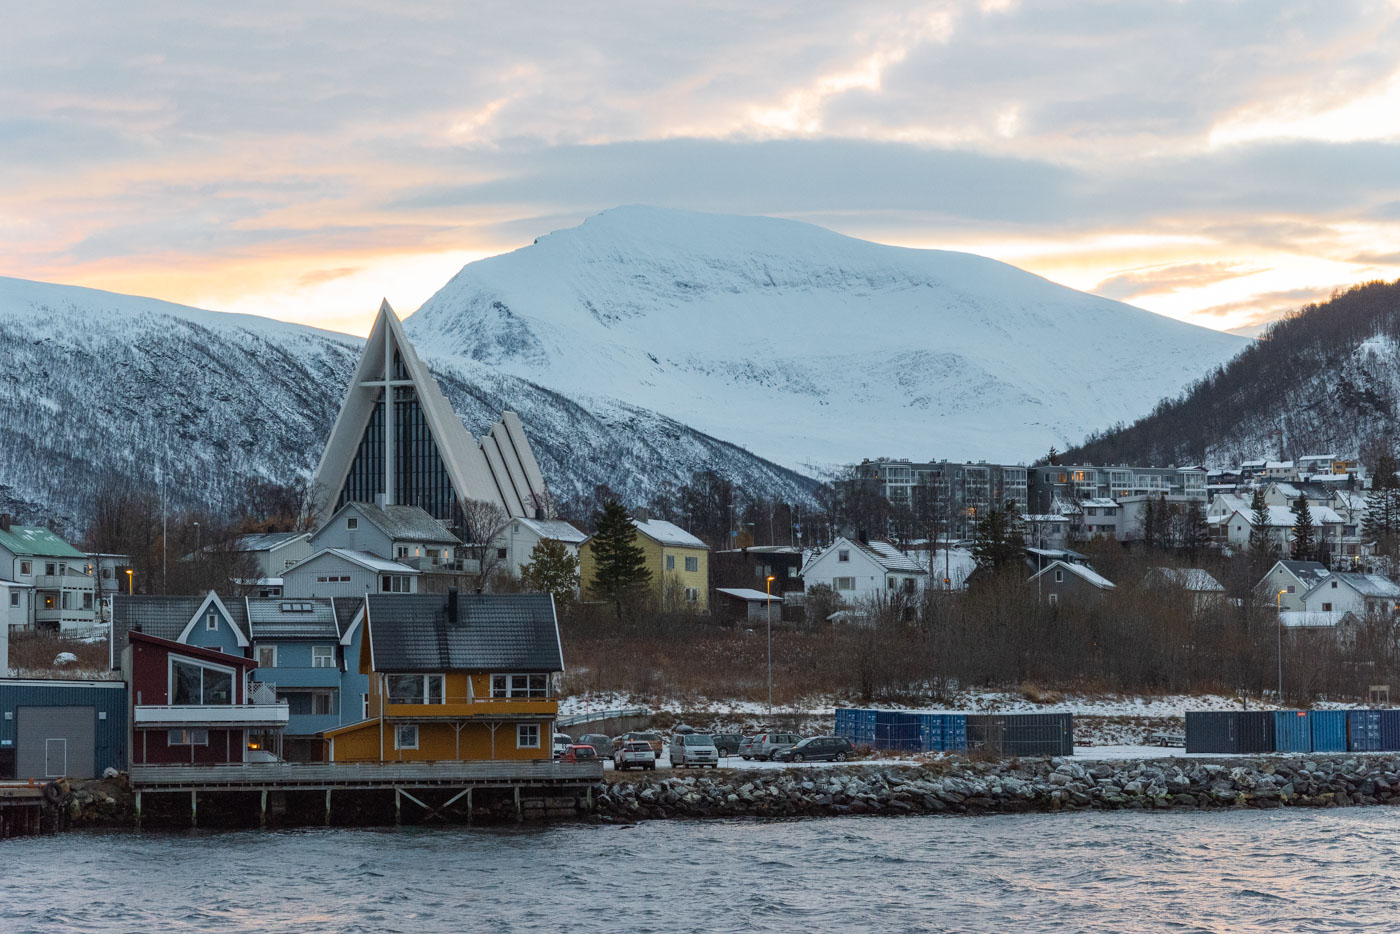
697	749
764	745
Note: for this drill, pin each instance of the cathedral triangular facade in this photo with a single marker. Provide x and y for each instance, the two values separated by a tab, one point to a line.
397	441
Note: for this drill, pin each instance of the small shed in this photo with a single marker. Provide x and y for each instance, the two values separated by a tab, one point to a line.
753	605
61	729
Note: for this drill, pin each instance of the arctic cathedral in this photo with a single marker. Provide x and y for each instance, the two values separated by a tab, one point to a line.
416	452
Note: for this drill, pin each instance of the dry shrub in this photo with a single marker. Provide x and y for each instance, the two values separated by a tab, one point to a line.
34	652
1039	695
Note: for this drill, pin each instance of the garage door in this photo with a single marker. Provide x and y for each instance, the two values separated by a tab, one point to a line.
55	742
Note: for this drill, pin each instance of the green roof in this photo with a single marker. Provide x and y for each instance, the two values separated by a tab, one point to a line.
40	542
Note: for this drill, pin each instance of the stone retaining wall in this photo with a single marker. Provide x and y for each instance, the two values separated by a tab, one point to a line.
961	787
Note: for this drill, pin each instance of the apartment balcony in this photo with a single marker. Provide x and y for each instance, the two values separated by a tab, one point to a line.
253	716
68	581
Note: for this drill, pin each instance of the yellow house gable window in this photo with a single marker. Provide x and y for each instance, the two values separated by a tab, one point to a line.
416	689
670	562
524	685
692	564
527	736
406	736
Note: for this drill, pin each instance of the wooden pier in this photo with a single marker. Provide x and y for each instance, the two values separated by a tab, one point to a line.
541	780
21	809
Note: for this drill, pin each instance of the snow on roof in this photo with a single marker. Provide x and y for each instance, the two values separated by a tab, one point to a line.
890	557
667	533
1309	572
266	541
1278	465
744	593
1194	579
1304	619
554	529
1081	570
1369	585
1099	503
363	558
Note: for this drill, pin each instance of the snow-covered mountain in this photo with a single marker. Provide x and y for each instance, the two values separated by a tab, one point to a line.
94	381
811	348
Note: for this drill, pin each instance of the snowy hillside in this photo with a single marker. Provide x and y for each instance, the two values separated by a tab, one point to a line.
93	381
811	348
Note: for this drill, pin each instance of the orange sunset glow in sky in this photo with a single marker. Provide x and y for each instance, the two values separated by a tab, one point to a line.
1219	162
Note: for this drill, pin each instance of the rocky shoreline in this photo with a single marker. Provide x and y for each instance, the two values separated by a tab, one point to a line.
958	786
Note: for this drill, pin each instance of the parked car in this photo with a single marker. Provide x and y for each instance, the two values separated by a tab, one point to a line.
562	741
634	754
689	749
764	745
579	753
728	743
603	744
818	749
651	739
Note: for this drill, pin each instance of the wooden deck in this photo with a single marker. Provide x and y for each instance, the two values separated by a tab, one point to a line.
312	776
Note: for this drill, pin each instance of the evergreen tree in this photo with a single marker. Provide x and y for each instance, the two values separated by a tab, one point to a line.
1053	458
551	570
999	538
620	571
1383	505
1304	535
1149	524
1261	546
1196	534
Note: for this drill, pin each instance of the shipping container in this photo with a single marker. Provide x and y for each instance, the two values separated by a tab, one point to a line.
1256	730
1213	731
1027	734
72	729
1390	730
1363	730
1292	731
943	732
1329	730
897	730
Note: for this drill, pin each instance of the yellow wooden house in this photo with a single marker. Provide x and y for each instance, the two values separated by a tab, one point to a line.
679	563
455	678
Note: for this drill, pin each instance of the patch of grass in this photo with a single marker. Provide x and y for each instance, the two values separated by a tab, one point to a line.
34	652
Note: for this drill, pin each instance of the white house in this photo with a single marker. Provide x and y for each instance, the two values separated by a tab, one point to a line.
341	572
518	539
865	570
52	584
273	553
1288	581
1351	592
1204	589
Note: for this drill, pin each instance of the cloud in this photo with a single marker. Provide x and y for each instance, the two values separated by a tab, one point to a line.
1169	278
318	276
1272	305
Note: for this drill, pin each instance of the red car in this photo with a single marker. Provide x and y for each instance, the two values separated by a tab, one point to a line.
577	753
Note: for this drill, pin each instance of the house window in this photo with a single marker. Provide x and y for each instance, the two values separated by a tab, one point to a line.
527	736
87	601
433	555
406	736
24	567
1054	599
1327	608
187	738
891	583
396	583
692	595
692	564
197	683
211	622
792	571
670	562
64	597
352	523
323	703
322	656
501	553
843	555
1059	576
416	689
50	568
1290	588
364	706
267	656
14	598
1334	585
520	685
843	583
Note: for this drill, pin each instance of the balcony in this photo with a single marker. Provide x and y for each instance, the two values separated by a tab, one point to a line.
68	581
233	715
459	707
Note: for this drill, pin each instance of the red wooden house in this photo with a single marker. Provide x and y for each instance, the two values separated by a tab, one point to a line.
192	705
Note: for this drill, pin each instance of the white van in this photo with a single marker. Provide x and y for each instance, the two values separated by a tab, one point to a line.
693	749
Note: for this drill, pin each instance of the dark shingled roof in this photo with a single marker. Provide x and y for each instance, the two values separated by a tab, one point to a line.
516	632
345	610
164	617
270	618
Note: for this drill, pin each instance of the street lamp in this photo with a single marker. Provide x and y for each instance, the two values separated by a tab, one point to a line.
129	585
768	587
1279	600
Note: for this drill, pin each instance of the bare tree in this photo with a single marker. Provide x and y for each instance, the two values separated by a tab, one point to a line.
483	523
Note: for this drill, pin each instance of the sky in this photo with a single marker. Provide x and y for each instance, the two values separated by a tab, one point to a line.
1220	162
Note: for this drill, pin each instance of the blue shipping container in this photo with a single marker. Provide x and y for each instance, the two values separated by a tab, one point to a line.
1363	730
943	732
1329	730
1292	731
895	729
1390	729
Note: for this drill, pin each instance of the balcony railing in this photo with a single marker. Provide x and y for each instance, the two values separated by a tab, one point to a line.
237	715
71	579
